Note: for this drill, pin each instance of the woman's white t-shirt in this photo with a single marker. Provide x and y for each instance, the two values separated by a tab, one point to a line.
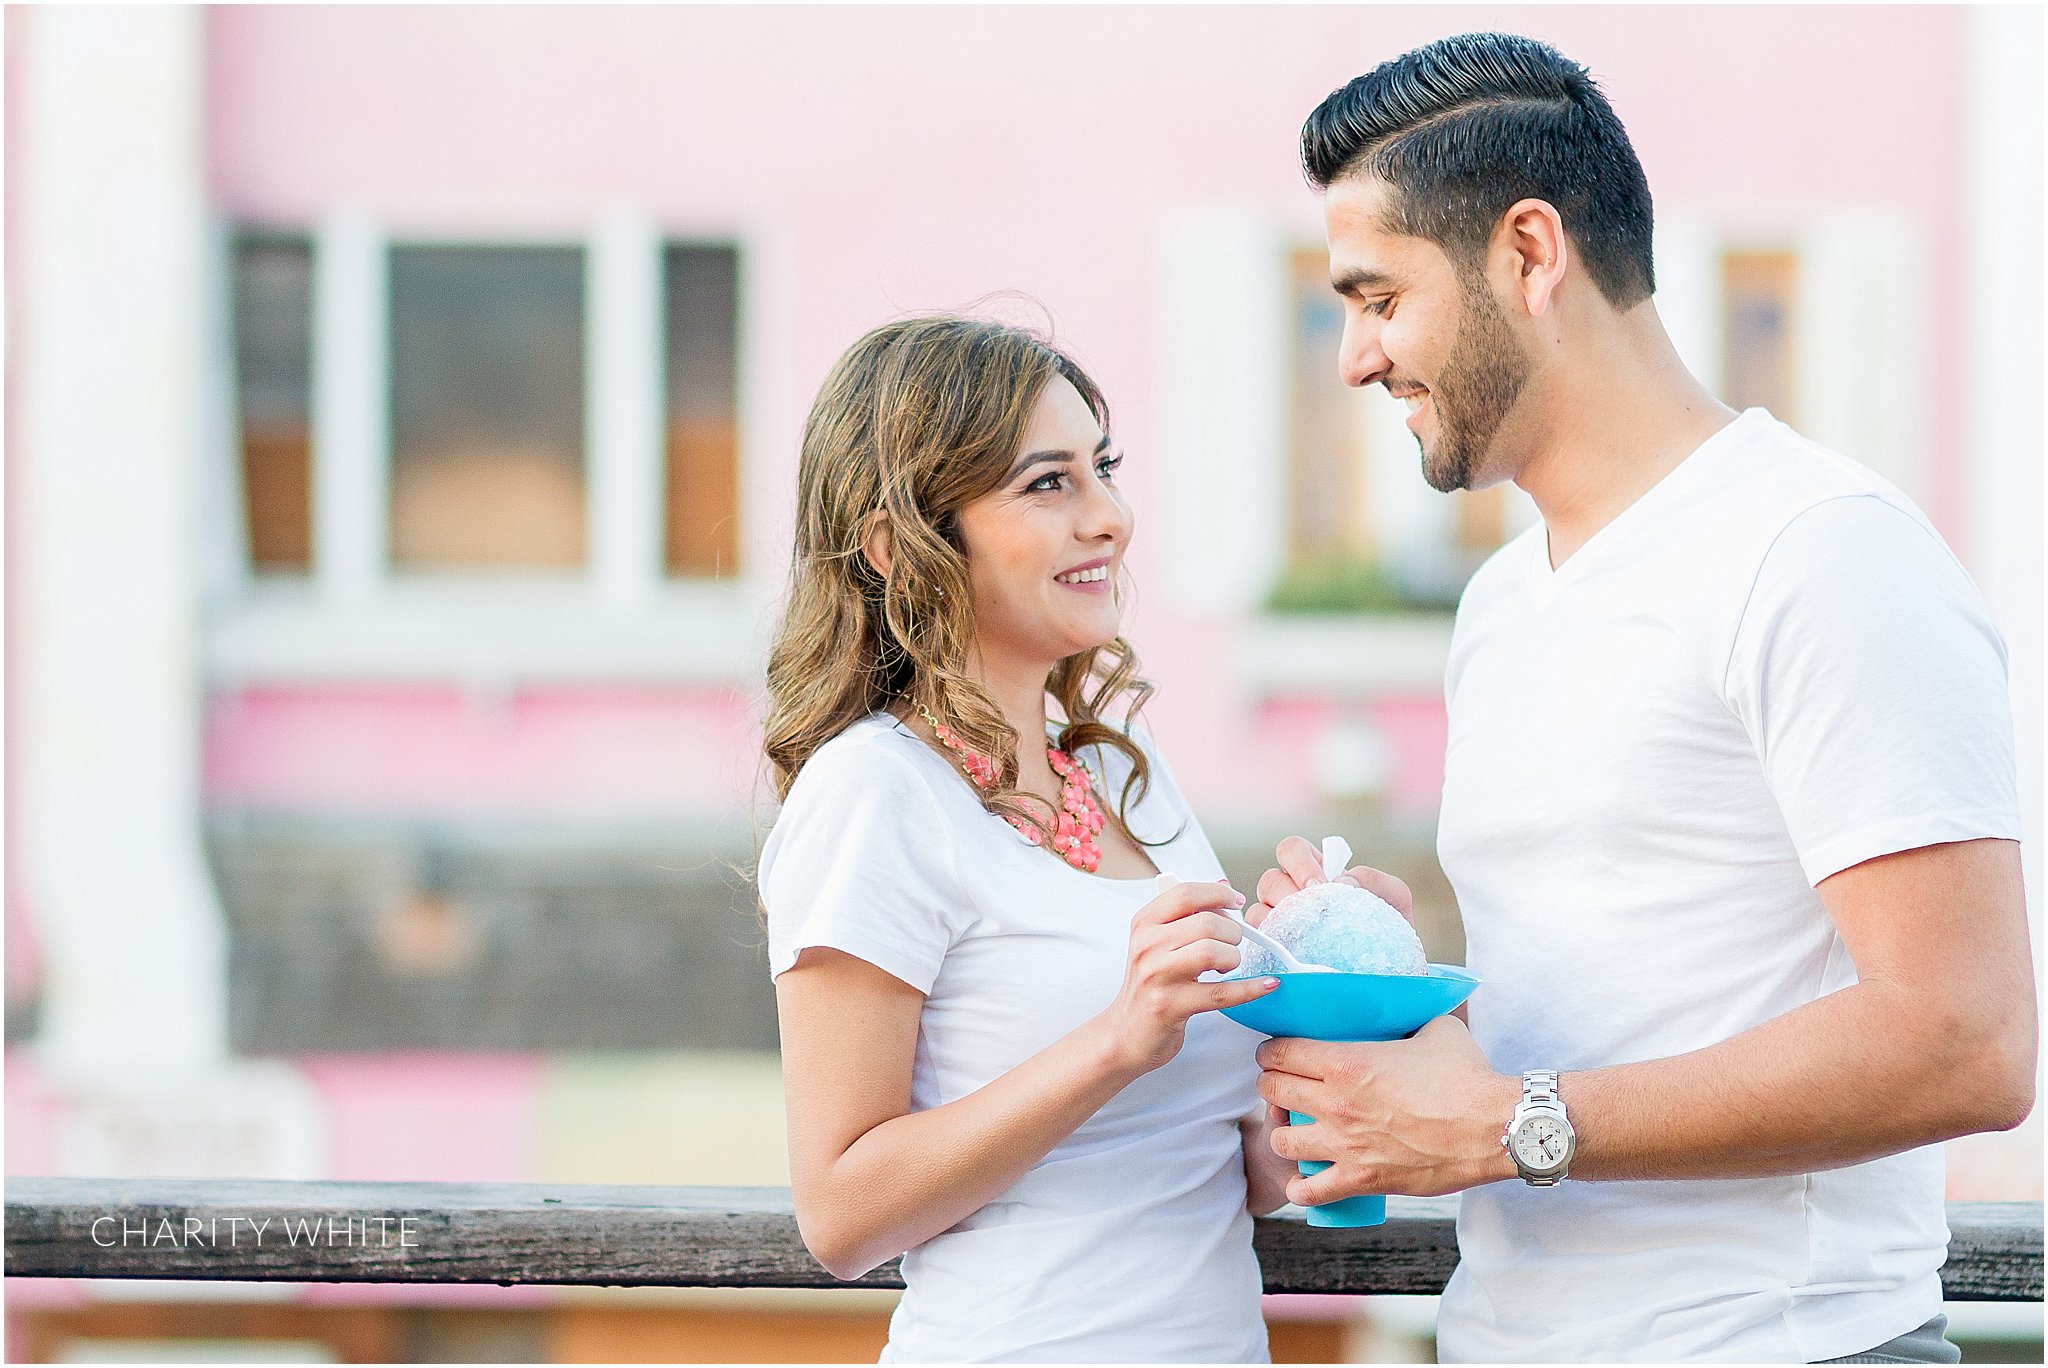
1130	1241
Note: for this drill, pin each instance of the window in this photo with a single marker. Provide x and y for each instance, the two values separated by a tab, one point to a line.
504	436
1758	360
273	312
701	314
487	408
1364	532
1326	448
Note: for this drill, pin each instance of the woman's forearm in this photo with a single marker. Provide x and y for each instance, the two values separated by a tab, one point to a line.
922	1173
1265	1173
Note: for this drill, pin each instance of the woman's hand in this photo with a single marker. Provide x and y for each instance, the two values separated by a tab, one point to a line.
1175	938
1301	864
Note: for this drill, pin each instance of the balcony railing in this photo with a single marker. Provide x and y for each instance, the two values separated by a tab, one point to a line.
509	1233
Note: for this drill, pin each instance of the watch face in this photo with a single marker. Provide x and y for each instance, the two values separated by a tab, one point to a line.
1541	1143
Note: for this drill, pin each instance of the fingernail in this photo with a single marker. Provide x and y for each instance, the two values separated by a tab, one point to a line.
1270	984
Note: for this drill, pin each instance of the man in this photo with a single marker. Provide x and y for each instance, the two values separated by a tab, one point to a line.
1729	800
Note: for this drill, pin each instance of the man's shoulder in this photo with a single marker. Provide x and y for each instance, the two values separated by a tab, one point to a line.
1769	475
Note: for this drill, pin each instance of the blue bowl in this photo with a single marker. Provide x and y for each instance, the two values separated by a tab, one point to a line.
1355	1006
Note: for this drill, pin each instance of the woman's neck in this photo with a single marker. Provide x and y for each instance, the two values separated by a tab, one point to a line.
1018	691
1018	695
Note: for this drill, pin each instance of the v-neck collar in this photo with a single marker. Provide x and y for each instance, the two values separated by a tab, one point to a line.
1550	580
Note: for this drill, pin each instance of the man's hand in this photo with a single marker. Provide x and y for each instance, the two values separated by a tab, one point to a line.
1301	864
1419	1117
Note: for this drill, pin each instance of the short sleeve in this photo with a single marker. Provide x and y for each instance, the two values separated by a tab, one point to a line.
858	862
1873	685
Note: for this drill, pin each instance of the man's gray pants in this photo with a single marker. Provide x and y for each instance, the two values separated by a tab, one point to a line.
1928	1344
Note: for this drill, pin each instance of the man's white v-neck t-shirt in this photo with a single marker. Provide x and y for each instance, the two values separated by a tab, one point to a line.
1130	1241
1767	669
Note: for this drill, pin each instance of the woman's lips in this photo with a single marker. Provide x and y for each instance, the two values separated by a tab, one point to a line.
1094	580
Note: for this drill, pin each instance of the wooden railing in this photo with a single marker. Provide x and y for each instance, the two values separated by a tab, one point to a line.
509	1233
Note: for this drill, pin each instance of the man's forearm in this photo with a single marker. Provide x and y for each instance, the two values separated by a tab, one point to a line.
1861	1073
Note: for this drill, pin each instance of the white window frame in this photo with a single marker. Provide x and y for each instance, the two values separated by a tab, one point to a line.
620	619
1863	306
1861	328
1224	409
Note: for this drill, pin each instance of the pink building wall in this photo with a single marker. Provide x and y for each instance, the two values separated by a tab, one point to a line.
881	160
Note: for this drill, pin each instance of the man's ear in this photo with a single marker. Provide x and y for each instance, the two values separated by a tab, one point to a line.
878	541
1534	232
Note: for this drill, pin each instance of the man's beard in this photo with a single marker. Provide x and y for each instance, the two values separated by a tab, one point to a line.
1479	384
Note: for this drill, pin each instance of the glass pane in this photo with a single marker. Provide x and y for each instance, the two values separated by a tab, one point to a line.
273	302
487	408
1758	365
1326	508
703	410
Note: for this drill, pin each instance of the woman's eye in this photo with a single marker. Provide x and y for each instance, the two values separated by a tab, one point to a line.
1052	483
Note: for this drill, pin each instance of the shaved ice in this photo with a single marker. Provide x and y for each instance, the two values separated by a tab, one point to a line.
1340	926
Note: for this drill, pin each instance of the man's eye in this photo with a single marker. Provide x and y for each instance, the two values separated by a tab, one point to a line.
1381	307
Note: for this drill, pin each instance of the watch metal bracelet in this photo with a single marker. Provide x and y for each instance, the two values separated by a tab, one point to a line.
1539	1093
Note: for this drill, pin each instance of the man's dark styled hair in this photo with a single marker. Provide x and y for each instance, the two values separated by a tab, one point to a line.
1462	128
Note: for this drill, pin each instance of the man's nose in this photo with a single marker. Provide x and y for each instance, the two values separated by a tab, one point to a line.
1360	361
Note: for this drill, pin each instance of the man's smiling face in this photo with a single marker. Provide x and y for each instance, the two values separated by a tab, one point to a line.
1437	340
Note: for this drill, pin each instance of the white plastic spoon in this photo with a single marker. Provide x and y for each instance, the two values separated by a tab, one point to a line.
1288	963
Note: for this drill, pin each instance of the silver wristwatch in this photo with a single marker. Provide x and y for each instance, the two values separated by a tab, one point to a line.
1539	1137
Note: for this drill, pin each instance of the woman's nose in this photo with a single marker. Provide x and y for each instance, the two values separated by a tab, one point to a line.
1105	514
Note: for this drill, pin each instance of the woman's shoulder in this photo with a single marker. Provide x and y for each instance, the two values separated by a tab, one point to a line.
867	788
874	752
854	860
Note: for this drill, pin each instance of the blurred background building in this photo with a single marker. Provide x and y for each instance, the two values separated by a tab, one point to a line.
402	407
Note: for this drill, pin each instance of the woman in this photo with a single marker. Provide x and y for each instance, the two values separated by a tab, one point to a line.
997	1049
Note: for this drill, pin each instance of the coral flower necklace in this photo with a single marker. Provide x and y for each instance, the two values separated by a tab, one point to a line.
1080	818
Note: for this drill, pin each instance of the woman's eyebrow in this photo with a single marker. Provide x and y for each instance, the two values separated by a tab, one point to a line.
1037	456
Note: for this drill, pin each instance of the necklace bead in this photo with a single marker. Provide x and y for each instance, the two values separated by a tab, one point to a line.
1080	817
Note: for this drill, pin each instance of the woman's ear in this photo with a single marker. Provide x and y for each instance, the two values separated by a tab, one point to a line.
878	541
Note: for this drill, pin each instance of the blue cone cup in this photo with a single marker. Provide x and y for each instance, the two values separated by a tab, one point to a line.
1348	1007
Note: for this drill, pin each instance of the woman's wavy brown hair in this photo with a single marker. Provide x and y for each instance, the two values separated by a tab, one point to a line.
919	418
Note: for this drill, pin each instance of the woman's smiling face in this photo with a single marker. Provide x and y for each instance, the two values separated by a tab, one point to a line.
1044	548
